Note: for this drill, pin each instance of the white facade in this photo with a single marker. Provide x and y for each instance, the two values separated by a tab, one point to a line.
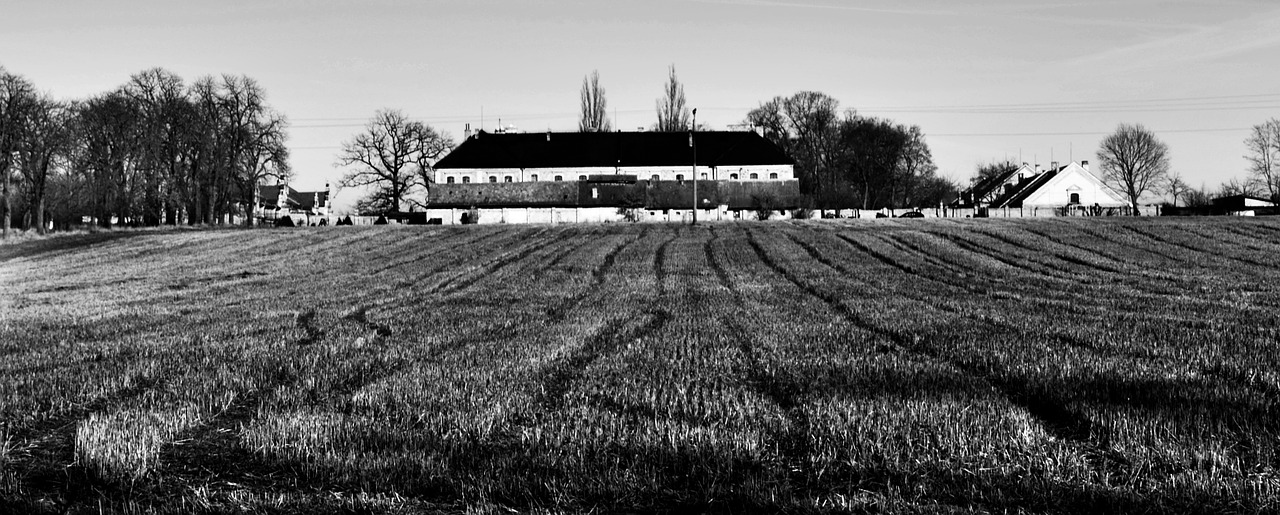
644	173
1074	184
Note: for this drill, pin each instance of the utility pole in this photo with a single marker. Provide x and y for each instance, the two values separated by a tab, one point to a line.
692	129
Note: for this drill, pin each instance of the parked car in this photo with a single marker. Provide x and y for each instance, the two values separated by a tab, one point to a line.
911	214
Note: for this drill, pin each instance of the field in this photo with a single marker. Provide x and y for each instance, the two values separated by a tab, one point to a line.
956	366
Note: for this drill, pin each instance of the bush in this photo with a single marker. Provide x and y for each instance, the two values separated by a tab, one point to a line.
471	216
382	220
629	214
285	221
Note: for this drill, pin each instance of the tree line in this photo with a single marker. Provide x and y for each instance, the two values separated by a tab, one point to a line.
152	151
1134	161
843	159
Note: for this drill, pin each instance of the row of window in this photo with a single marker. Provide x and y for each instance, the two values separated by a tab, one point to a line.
534	178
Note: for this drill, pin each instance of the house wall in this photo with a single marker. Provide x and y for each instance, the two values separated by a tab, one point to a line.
1074	179
663	173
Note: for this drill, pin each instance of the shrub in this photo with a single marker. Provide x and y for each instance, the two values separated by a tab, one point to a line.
471	216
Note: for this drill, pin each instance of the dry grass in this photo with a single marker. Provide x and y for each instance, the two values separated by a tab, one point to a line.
1106	365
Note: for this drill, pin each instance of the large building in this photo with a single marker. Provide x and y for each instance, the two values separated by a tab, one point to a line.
604	176
280	200
1066	190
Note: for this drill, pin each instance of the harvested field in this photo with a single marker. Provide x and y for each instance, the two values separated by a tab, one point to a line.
1066	365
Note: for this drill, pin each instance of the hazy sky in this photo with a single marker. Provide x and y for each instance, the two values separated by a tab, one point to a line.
984	79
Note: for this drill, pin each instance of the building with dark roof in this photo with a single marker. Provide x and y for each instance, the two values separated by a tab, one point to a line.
277	200
1057	190
652	173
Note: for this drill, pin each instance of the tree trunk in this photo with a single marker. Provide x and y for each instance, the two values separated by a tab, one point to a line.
4	231
40	214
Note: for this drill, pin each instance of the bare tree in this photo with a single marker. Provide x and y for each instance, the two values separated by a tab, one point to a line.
1133	161
1264	156
593	117
17	100
805	126
673	114
45	139
1234	186
1176	187
391	157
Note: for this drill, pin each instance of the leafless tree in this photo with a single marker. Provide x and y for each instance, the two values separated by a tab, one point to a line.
45	139
1264	156
805	126
593	117
1234	186
17	100
392	158
673	114
1133	161
1175	187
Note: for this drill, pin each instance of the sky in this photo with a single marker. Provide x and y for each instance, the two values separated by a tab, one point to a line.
986	80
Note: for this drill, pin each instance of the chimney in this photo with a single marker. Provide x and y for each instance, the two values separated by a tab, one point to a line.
468	132
548	134
1085	165
1053	166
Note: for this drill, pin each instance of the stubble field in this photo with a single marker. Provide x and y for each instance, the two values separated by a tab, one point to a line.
1072	365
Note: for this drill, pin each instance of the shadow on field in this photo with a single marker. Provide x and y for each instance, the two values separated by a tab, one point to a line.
61	242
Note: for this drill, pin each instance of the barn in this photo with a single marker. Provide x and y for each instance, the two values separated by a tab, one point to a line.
612	176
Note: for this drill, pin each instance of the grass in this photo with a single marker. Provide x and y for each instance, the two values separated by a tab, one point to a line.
958	366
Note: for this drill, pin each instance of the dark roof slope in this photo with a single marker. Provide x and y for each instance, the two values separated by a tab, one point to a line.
585	149
1024	190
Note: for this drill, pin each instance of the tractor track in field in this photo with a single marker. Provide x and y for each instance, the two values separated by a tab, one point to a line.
1192	248
795	444
1059	255
976	318
1053	416
1102	235
1139	268
560	377
558	313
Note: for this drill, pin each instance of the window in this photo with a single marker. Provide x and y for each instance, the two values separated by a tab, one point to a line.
582	177
595	193
755	176
448	180
493	178
559	178
466	180
654	177
733	176
1075	198
773	176
506	179
533	178
679	177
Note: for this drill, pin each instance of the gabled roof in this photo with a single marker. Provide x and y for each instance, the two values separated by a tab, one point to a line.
269	196
610	149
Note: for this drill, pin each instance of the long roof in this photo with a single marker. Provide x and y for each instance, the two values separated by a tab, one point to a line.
607	149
